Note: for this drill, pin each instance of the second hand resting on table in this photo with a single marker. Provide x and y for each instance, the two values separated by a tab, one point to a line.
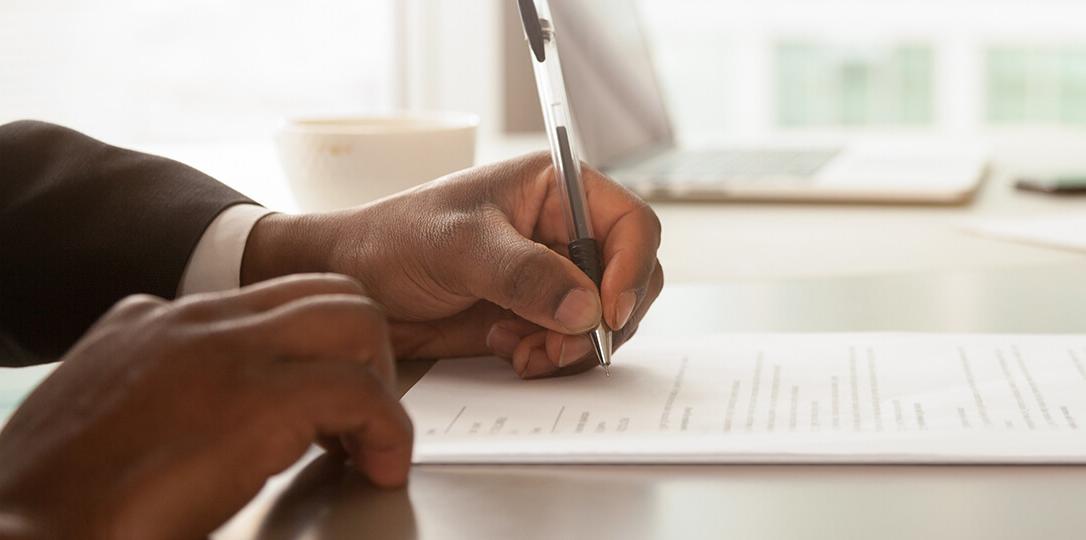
166	417
475	263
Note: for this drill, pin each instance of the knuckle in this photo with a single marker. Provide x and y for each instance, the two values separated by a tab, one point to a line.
135	306
271	404
535	168
282	438
287	439
540	161
128	317
653	220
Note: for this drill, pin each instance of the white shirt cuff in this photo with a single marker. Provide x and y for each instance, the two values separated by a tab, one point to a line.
215	264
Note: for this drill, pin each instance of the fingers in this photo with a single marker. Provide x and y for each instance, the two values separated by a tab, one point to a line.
504	336
464	334
629	233
329	326
345	399
535	352
531	280
129	309
325	369
568	360
626	228
530	357
536	355
656	284
269	294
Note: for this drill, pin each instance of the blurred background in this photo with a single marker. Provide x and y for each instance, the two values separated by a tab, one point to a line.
1011	72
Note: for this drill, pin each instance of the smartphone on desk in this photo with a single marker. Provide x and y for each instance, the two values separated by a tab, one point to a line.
1060	185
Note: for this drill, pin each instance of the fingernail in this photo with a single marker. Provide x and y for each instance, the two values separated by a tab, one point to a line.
624	308
520	363
502	341
579	311
573	348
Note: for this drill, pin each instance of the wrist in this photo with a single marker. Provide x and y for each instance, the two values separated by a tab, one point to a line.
281	244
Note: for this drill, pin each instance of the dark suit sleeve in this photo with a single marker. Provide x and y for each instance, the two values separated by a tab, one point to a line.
83	224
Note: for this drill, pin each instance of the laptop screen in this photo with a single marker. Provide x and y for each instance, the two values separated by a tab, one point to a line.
614	96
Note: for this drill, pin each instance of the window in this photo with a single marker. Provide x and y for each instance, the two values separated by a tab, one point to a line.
138	71
821	85
733	68
1036	85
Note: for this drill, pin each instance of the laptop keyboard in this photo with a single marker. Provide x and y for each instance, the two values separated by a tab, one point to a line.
728	166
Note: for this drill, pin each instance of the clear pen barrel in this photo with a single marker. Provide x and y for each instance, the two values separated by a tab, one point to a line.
553	100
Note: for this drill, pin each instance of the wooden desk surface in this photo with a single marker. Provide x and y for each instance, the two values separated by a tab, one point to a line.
321	499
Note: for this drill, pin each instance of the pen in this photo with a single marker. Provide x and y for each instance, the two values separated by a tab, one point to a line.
583	249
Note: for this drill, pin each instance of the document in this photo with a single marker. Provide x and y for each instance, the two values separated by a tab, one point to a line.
770	398
1062	232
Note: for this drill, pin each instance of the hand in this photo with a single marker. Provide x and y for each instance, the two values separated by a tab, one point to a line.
475	263
166	418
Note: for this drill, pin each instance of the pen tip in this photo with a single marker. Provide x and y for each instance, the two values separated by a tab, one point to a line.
601	342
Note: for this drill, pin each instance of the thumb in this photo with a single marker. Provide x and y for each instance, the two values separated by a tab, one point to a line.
533	281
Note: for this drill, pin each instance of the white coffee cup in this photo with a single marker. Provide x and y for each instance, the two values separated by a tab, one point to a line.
338	162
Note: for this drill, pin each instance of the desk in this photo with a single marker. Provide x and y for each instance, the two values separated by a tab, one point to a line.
761	267
324	499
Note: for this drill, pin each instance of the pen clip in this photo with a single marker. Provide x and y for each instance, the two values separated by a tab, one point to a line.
532	27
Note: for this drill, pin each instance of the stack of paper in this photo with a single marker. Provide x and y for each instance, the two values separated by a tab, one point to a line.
770	398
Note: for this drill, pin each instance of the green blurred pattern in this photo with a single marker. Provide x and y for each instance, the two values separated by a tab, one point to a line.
1036	85
826	85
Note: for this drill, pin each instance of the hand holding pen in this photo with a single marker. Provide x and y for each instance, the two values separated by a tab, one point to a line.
477	263
584	251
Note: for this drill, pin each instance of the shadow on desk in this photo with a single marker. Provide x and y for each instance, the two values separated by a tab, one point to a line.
329	499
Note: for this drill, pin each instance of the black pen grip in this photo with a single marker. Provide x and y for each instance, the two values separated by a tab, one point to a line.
585	253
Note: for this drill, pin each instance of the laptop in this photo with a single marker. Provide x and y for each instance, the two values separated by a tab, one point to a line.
625	131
